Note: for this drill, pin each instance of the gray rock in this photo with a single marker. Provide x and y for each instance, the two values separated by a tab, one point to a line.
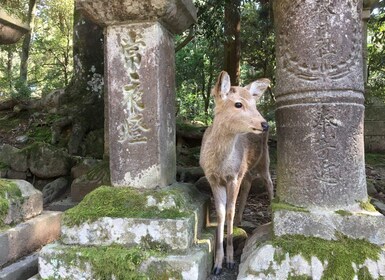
46	161
21	269
54	189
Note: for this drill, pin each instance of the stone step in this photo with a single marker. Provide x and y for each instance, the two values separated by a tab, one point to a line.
175	233
23	205
29	236
21	269
58	261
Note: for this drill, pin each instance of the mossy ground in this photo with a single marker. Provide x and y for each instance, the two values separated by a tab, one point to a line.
126	202
339	254
9	192
375	159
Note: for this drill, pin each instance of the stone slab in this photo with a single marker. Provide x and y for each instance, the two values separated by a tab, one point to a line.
178	234
176	15
28	236
30	206
263	265
194	265
327	224
22	269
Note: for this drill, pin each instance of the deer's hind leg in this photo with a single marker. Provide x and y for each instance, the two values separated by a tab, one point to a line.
263	170
243	194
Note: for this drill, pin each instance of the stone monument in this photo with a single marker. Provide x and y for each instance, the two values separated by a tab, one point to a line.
321	182
158	233
140	74
11	29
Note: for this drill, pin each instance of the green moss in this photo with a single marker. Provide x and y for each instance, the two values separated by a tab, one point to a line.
375	159
299	277
366	205
40	133
339	254
276	205
9	192
125	202
109	262
343	213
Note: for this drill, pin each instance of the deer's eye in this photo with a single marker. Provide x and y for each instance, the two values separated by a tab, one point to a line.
238	105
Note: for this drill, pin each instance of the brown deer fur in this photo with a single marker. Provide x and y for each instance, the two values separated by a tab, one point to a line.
234	149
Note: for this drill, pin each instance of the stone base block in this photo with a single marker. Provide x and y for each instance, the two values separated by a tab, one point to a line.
22	269
28	205
58	261
300	257
177	216
357	224
177	234
29	236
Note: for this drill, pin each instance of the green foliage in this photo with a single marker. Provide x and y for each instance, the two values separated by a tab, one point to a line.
199	63
50	59
376	54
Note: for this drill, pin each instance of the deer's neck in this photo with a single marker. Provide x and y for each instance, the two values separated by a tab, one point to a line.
223	141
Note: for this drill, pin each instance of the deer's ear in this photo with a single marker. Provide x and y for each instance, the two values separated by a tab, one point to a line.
222	87
258	87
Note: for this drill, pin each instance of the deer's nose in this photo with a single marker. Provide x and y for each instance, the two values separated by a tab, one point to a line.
265	126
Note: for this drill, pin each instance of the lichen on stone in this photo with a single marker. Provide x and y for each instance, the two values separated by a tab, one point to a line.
366	205
276	205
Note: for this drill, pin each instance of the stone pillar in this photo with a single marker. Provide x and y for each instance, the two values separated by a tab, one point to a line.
140	70
320	103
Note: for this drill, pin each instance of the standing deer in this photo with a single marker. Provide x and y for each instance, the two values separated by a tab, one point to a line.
234	149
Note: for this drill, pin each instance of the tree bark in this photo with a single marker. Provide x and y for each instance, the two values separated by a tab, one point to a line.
83	102
27	42
232	46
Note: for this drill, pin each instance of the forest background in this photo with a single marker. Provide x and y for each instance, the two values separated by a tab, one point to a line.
232	35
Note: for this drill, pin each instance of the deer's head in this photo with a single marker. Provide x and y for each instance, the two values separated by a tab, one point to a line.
235	107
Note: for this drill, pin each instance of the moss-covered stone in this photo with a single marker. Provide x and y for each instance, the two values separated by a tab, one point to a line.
9	193
276	205
107	201
366	205
343	213
338	254
108	262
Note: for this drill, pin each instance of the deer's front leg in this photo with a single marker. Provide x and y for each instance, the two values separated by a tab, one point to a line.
219	193
232	193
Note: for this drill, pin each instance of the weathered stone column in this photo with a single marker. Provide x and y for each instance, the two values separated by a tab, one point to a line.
320	115
139	54
320	103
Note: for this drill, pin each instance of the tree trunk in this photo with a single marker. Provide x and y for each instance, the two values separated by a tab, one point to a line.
9	68
83	99
27	42
232	46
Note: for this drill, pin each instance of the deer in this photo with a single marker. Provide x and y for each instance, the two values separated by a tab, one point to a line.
234	151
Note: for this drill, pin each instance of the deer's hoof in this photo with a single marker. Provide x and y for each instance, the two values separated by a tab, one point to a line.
217	270
231	265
